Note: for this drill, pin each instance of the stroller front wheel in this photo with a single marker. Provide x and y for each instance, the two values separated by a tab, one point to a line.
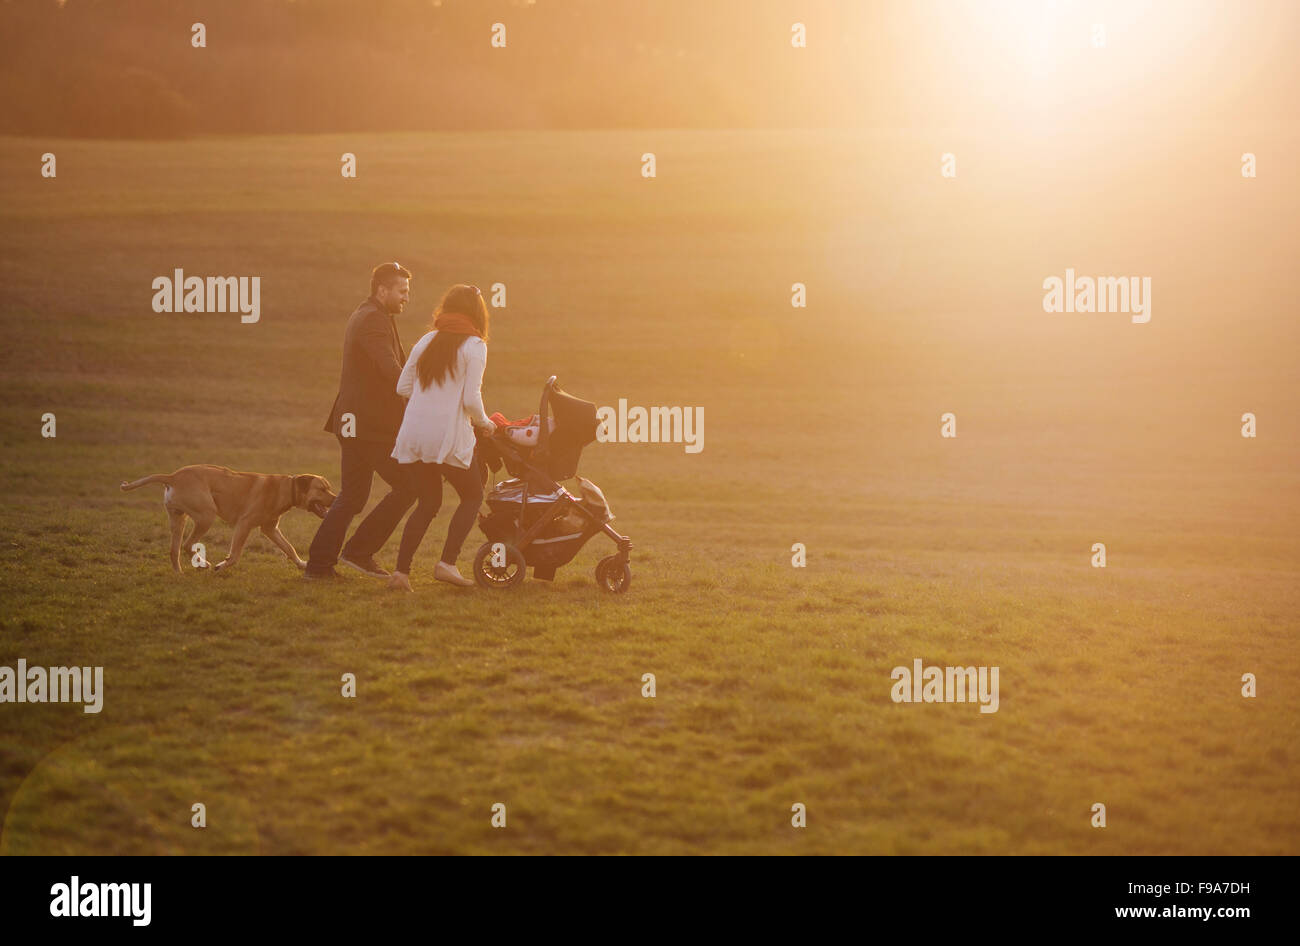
613	574
499	565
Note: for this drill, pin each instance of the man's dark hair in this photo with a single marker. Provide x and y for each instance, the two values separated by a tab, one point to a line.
386	274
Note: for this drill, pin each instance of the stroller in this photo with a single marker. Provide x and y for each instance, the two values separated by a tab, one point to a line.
535	522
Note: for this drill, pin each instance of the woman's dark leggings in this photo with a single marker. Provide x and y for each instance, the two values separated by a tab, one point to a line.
426	479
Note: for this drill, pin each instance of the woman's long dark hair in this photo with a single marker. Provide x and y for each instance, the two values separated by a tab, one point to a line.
438	360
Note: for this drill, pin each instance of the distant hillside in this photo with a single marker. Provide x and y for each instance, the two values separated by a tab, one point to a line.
127	68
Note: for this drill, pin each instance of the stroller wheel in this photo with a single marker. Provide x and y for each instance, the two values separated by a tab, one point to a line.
613	574
489	571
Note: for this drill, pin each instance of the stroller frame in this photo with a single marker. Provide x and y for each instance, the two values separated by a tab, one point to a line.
613	573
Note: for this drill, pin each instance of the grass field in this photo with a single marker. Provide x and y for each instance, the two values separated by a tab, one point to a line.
1118	685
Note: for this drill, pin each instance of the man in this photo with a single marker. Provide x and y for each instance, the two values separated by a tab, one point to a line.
372	363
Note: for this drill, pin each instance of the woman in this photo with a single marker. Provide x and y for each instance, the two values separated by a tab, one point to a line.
443	378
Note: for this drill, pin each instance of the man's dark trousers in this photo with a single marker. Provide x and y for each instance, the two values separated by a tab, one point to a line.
361	460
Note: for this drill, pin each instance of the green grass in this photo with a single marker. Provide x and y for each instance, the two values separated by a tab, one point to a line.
1119	685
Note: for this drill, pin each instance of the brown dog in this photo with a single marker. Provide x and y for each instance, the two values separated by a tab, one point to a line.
244	500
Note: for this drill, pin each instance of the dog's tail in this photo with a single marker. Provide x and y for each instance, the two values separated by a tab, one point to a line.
164	478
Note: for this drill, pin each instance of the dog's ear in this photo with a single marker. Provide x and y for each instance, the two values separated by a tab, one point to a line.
301	484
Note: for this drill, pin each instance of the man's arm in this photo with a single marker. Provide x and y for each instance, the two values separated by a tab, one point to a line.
406	383
375	336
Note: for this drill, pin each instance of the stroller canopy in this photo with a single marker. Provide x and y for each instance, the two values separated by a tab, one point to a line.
559	450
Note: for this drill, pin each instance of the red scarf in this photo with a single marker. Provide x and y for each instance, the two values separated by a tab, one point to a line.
456	323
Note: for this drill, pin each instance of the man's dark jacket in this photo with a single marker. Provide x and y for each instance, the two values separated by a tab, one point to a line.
372	363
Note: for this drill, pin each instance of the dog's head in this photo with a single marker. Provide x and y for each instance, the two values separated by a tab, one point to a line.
313	493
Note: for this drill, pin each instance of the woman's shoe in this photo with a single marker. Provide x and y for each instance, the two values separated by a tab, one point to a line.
399	582
448	573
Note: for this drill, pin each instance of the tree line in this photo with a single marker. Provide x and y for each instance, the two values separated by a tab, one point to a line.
130	68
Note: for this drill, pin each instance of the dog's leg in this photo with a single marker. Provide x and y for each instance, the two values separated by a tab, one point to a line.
272	531
202	523
177	519
242	528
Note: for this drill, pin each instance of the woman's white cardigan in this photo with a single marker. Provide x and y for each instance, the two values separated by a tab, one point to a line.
437	426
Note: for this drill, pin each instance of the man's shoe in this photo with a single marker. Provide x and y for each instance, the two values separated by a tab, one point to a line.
448	573
366	565
327	574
